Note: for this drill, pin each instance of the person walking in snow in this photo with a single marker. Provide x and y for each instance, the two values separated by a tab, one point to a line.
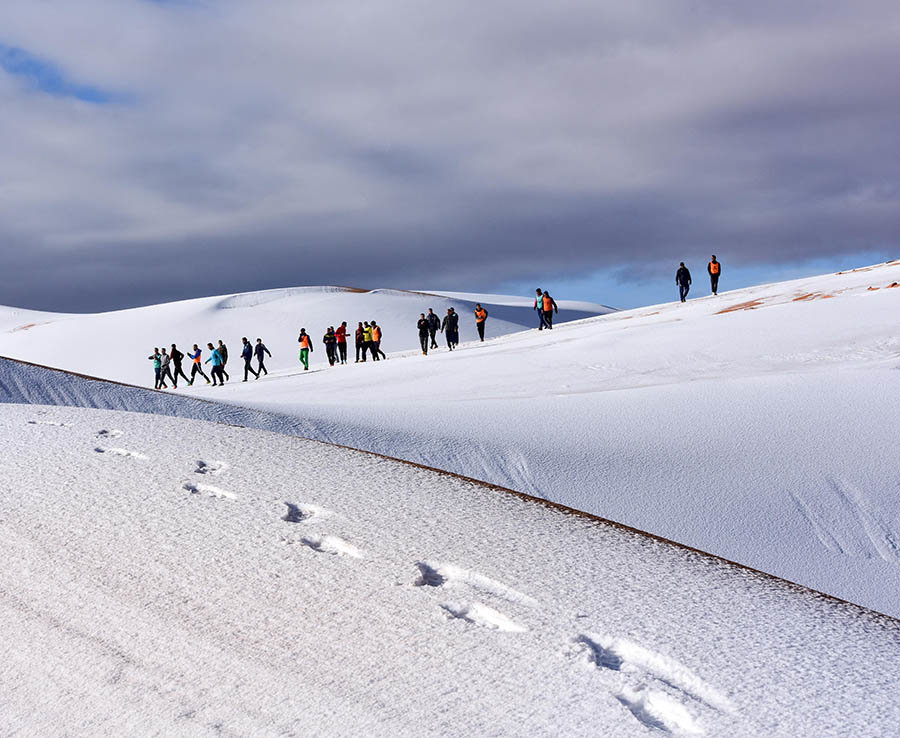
424	327
177	358
341	334
260	350
450	326
165	370
434	325
548	307
197	367
247	356
305	347
156	358
360	338
683	280
480	319
539	307
330	341
368	342
376	342
223	355
217	372
714	269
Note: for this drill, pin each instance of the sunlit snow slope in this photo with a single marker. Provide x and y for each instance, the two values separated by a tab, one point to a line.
164	576
759	425
116	345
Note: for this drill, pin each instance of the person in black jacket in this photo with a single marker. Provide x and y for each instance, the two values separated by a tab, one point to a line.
261	351
223	353
424	327
683	280
177	357
434	325
450	326
247	356
714	269
360	338
330	341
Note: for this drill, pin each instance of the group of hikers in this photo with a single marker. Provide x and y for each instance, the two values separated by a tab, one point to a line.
683	278
367	338
168	365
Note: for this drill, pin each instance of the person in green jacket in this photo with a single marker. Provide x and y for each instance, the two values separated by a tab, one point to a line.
156	358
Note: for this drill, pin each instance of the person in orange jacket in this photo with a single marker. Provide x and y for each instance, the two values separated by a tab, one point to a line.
714	269
480	319
548	307
376	342
305	347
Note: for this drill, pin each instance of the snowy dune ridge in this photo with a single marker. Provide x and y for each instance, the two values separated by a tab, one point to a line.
179	577
115	345
753	425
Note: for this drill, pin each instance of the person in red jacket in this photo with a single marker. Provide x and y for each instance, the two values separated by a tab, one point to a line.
341	335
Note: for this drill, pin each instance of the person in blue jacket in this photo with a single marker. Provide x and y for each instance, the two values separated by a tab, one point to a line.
216	358
156	358
247	356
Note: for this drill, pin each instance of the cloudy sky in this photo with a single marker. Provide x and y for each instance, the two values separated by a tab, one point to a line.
161	150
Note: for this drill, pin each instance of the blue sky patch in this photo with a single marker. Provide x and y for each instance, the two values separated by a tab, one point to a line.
47	77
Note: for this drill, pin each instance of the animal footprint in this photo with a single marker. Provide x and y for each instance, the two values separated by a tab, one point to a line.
208	489
486	617
333	545
433	574
109	433
121	452
210	467
303	513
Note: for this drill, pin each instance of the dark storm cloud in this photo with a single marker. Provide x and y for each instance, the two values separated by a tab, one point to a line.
455	146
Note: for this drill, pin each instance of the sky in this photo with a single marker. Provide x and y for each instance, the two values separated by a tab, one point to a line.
163	150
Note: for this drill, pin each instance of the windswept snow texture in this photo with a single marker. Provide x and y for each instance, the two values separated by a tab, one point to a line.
759	425
115	345
389	601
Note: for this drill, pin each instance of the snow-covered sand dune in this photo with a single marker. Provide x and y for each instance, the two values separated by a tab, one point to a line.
115	345
164	576
757	425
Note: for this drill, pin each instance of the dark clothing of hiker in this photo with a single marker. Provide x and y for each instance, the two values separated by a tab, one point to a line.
177	358
360	338
165	370
247	356
424	326
714	269
330	341
261	352
683	280
450	326
223	355
434	325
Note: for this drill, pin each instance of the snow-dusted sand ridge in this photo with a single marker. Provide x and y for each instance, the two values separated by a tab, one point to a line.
174	577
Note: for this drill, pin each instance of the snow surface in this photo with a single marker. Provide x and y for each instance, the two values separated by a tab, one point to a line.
758	425
165	576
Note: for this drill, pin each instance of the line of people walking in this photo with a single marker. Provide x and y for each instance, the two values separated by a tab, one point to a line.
168	365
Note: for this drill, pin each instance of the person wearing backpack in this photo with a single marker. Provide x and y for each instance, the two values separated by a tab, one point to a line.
548	307
424	326
434	325
197	367
330	341
305	347
714	268
156	358
480	318
683	280
261	352
165	370
341	334
247	356
216	358
450	325
177	358
376	342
